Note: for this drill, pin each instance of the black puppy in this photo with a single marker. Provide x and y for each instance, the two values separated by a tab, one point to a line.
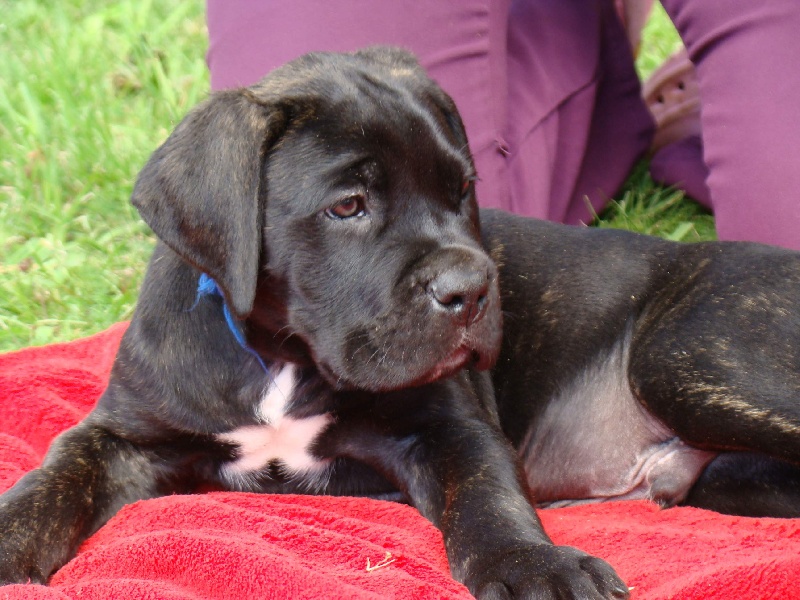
321	311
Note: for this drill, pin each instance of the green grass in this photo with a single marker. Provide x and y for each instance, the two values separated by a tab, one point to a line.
648	208
89	90
659	40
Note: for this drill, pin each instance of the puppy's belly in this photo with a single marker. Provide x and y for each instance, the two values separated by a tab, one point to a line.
277	440
595	442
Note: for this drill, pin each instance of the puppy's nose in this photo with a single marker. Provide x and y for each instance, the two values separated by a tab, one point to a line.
461	293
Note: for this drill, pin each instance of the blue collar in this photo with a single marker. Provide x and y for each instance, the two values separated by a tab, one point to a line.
208	287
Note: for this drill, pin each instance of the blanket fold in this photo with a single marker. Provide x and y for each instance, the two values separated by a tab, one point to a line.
240	546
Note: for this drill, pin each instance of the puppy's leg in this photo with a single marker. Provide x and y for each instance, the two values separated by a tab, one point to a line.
495	542
87	476
450	458
749	485
726	378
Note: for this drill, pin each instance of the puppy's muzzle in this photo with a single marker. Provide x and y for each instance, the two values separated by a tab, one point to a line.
461	292
458	281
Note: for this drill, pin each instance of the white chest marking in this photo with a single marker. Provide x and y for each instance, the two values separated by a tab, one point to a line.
279	437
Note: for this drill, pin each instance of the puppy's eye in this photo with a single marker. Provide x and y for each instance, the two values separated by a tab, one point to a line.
466	186
352	206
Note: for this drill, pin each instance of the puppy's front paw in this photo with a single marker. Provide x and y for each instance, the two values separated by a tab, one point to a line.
23	543
16	571
17	563
543	572
18	559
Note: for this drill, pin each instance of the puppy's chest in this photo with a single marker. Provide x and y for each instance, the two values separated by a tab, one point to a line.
277	439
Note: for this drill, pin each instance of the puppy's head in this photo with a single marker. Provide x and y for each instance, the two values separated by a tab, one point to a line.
333	203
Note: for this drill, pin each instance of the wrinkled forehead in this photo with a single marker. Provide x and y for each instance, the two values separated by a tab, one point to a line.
356	124
393	123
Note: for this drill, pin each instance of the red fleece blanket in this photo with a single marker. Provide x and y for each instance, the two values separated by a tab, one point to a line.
241	546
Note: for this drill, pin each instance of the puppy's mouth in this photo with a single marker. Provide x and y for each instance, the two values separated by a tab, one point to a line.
466	354
461	357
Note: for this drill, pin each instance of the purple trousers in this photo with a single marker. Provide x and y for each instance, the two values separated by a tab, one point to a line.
550	98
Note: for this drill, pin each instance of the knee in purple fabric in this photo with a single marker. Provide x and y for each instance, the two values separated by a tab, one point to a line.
577	120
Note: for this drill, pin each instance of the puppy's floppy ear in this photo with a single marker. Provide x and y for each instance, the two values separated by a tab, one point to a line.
199	192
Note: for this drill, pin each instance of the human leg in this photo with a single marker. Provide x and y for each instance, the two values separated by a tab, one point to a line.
577	122
744	54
